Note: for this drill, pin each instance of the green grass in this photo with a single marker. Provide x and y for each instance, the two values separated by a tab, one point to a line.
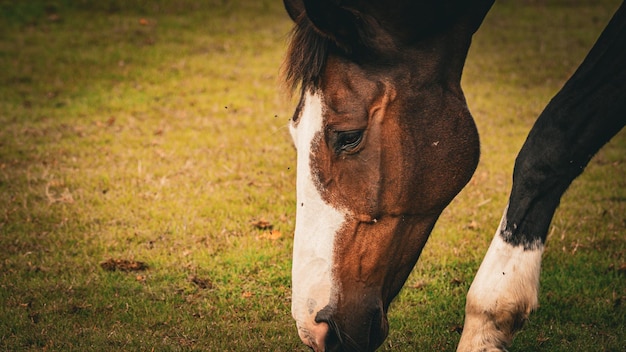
156	131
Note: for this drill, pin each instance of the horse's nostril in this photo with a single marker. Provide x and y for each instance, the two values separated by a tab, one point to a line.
332	340
324	315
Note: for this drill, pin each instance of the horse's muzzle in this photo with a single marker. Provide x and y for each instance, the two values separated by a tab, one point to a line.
363	330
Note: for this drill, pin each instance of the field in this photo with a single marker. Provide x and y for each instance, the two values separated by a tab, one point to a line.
147	182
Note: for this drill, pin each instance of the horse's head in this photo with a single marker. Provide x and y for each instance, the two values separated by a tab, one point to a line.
384	142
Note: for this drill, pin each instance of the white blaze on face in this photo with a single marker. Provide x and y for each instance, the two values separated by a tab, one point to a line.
316	225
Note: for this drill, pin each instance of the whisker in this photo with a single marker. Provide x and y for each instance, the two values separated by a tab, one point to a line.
347	342
351	345
335	328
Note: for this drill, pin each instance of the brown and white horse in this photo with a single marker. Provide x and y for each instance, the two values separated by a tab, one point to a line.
385	141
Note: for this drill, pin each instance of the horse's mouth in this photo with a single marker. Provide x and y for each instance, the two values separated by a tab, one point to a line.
367	336
314	338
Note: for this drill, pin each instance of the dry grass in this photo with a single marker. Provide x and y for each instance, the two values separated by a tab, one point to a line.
155	133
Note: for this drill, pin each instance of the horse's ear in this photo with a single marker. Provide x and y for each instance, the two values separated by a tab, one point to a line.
342	25
294	8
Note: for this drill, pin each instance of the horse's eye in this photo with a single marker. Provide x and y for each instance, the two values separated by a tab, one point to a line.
348	141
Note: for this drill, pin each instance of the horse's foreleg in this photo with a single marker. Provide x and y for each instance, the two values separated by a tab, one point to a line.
580	119
502	295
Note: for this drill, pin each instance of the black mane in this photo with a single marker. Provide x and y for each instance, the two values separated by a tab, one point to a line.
306	57
309	49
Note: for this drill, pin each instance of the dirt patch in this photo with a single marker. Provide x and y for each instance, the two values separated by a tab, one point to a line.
123	265
202	283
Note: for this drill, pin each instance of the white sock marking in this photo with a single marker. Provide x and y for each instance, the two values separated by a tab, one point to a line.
508	272
504	291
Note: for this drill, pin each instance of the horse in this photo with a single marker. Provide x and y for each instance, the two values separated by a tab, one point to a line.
384	141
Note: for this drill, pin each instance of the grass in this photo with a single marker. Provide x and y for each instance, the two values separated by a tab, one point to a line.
156	132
